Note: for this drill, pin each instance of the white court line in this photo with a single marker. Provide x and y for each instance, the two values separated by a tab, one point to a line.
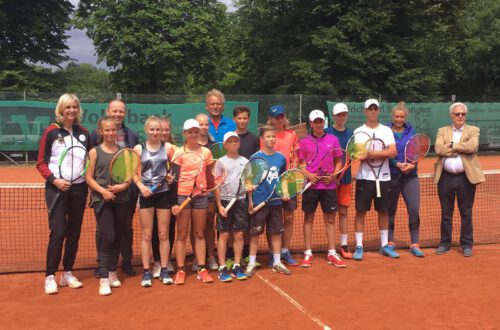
295	303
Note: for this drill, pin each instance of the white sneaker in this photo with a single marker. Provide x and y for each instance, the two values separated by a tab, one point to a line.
250	270
114	282
67	279
212	264
50	285
156	270
170	267
105	287
194	268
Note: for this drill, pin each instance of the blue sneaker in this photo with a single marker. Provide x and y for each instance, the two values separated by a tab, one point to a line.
358	254
288	259
388	250
224	275
147	278
238	273
415	250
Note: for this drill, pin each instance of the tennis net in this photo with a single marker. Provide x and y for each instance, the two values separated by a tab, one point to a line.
24	227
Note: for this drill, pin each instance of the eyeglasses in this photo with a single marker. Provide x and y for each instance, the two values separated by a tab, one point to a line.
459	114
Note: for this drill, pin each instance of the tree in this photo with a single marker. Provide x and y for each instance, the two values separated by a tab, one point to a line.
81	78
31	32
478	72
402	50
156	46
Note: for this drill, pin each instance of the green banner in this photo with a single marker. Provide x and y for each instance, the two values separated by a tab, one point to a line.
22	122
428	117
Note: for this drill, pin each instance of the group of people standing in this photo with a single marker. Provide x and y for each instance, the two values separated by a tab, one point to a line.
457	174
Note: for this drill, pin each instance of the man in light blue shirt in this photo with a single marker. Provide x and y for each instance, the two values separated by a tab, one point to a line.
218	125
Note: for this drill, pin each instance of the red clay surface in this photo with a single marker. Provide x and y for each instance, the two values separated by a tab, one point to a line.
436	292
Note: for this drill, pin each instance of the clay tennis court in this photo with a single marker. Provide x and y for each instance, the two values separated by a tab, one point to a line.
435	292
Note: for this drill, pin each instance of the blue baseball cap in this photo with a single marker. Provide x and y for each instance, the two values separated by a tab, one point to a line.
276	110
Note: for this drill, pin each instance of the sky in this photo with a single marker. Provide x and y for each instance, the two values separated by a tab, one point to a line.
81	48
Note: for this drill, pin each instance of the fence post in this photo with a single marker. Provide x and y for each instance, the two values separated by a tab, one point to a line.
118	96
300	108
24	95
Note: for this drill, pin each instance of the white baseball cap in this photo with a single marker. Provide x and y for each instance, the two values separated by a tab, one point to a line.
370	102
230	135
339	108
315	114
191	123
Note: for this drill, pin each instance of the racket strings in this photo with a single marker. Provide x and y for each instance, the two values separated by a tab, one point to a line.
73	164
124	166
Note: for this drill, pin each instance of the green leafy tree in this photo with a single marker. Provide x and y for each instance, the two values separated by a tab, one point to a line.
31	32
81	78
162	46
402	50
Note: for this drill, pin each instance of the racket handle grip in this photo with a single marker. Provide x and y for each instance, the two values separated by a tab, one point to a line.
155	187
186	202
231	203
377	185
307	186
258	207
52	205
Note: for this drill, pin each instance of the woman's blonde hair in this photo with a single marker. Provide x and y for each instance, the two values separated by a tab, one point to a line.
401	106
150	120
63	102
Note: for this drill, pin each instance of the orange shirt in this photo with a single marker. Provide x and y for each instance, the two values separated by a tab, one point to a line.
284	143
190	167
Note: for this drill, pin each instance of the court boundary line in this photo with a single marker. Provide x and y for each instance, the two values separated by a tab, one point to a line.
295	303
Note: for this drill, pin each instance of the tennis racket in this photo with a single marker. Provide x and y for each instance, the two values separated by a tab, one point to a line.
327	166
375	165
288	185
211	175
73	163
356	146
417	148
254	172
218	150
124	165
308	150
294	155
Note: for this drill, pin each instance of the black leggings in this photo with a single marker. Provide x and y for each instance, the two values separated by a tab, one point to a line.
111	222
65	225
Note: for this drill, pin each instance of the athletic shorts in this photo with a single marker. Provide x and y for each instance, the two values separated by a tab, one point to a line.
160	201
326	197
344	194
198	202
271	217
211	197
366	191
290	205
236	220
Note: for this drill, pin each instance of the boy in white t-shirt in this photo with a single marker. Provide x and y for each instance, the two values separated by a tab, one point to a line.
234	221
366	184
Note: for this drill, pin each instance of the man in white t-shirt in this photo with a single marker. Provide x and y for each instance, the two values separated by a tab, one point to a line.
366	190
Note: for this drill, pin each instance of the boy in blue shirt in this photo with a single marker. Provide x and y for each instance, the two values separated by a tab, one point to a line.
271	215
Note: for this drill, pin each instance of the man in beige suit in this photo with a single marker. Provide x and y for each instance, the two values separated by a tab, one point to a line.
457	174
